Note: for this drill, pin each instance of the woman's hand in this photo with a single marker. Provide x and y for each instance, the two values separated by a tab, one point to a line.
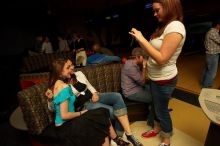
49	94
136	34
95	97
83	111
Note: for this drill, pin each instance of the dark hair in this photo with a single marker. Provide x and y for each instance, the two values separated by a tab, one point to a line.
172	11
96	47
137	52
73	78
56	70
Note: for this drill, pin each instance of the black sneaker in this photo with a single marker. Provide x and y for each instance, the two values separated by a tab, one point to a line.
134	140
120	142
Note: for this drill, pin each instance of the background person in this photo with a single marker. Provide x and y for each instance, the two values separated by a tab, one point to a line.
101	55
212	45
38	43
96	47
47	46
134	78
63	45
163	49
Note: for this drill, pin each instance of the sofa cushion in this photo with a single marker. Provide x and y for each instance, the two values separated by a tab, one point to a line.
33	104
104	78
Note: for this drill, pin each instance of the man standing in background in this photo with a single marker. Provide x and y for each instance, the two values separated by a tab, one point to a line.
212	45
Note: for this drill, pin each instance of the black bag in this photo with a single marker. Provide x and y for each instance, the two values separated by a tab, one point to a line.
83	96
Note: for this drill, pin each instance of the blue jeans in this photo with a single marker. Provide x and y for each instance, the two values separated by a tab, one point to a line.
159	112
115	103
145	97
142	96
210	70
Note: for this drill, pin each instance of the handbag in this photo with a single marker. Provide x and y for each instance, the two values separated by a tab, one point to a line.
83	95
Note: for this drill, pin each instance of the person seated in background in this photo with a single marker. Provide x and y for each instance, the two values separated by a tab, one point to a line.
79	128
134	78
101	55
63	45
96	47
89	98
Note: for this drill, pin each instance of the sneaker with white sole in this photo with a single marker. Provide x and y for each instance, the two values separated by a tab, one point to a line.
134	140
120	141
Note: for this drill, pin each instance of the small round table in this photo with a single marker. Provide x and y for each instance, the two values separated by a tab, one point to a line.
208	100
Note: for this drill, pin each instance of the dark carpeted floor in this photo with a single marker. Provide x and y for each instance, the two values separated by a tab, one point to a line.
9	74
10	136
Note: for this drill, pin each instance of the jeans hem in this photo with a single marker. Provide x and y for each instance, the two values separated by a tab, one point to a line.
120	112
166	134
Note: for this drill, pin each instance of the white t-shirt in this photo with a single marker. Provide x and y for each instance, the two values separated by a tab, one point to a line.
82	78
47	47
167	71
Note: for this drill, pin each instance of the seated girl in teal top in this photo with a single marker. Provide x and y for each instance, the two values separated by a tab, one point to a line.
65	94
80	128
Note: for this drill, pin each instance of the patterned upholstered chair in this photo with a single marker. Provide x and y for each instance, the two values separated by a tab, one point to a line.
33	103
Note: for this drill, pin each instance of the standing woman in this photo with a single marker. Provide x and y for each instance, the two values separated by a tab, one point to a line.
163	49
81	128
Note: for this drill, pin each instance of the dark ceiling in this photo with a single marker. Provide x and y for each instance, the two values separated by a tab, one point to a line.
96	7
93	7
13	10
20	19
87	7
